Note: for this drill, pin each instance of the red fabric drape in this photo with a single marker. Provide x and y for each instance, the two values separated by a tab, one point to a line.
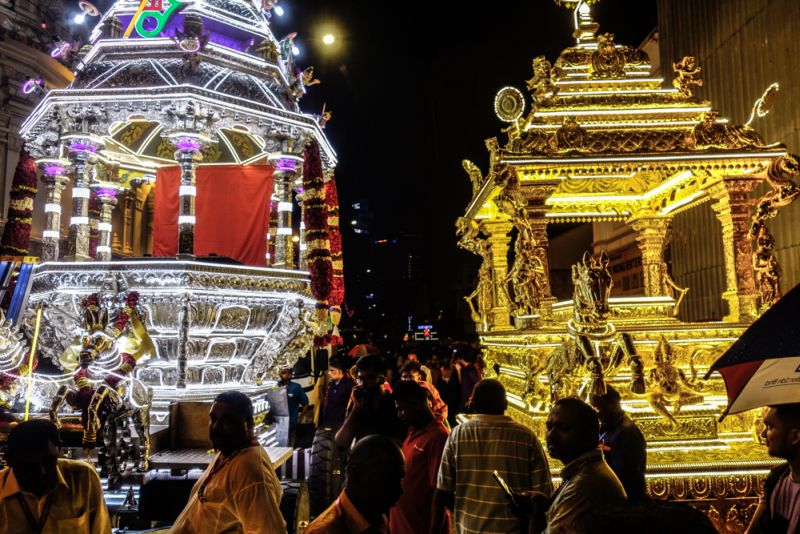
232	212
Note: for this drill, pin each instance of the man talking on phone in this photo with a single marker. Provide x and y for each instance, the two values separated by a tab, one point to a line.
490	441
371	409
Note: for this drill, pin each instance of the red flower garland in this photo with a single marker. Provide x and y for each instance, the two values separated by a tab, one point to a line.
336	297
17	233
314	217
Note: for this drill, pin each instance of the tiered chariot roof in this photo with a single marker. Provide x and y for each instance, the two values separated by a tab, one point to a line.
218	55
605	132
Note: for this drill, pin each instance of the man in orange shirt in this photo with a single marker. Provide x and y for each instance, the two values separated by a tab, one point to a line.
375	472
240	491
422	449
40	492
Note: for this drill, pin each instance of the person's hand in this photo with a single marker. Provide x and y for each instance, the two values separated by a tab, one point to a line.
458	366
357	398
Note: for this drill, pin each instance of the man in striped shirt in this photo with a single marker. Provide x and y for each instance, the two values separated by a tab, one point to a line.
489	441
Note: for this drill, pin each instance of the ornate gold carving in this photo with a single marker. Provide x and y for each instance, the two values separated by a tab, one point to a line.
607	61
671	387
711	134
571	136
688	75
732	210
484	291
652	236
780	176
682	428
475	175
541	84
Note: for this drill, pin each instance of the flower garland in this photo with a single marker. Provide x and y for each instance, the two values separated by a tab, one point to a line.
336	297
17	233
314	216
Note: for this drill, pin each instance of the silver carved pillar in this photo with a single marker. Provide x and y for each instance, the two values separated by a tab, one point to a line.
286	166
82	153
108	200
188	156
54	177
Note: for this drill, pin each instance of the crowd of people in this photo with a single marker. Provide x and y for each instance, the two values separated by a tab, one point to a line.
412	467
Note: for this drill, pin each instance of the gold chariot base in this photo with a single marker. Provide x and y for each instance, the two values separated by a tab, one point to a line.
718	468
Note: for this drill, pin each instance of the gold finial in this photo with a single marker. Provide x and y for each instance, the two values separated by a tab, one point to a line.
572	4
585	27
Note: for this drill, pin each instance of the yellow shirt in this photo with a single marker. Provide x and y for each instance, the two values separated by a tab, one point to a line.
77	505
242	496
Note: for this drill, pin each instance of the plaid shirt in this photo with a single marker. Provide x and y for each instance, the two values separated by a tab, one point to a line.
476	448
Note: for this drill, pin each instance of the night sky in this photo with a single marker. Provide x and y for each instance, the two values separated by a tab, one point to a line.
412	90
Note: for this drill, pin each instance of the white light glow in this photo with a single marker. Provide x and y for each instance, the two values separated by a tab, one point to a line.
187	191
284	206
635	111
609	81
295	50
52	208
79	220
103	248
328	39
284	231
51	234
104	227
80	18
80	192
613	159
187	219
279	11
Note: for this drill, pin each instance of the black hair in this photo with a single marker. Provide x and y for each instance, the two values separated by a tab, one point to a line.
789	413
371	363
372	457
411	391
411	367
33	435
341	362
239	401
462	351
588	420
489	397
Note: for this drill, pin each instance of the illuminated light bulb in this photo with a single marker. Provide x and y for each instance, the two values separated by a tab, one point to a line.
80	18
279	11
295	50
328	39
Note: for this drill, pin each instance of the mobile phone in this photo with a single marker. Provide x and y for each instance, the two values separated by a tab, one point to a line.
503	485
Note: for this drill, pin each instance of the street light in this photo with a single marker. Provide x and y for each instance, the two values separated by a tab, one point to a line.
328	39
279	10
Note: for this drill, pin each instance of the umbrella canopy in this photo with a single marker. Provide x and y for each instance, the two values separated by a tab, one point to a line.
763	367
362	350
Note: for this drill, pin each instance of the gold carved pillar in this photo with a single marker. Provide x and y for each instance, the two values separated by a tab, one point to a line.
500	314
652	236
732	208
535	213
128	197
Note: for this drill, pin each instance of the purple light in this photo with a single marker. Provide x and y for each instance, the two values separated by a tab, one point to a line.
53	169
286	165
187	145
60	49
106	192
83	147
32	85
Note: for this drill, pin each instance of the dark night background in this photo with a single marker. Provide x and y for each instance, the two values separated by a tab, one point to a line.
411	87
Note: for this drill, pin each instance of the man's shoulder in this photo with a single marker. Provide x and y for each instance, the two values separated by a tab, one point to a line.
76	468
328	522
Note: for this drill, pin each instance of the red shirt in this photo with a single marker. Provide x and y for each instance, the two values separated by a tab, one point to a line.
423	452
